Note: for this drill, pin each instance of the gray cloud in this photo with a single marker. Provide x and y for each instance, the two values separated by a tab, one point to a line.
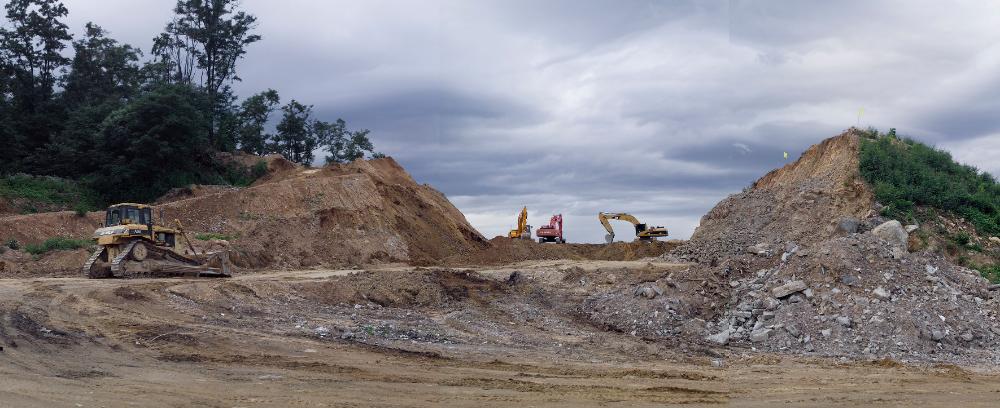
653	107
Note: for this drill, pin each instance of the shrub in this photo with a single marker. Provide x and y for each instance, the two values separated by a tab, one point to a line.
47	192
990	272
905	174
213	235
57	244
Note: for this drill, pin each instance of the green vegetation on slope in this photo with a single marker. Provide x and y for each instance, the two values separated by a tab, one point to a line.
905	173
36	193
57	244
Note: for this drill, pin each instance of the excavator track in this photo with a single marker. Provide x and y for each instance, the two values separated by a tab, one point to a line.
159	262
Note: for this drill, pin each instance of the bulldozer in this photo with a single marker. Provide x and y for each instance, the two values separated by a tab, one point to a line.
523	230
642	231
552	232
131	245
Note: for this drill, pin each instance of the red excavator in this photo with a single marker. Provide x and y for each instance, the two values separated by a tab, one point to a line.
552	232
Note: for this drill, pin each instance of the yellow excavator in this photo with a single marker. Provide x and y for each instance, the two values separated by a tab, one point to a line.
523	230
131	245
642	231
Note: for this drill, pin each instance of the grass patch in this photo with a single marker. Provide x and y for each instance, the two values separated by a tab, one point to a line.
35	193
213	235
905	173
990	272
57	244
239	175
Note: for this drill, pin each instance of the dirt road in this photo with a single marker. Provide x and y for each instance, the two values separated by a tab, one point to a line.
401	336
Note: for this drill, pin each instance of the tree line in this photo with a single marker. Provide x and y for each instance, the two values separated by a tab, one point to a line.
132	126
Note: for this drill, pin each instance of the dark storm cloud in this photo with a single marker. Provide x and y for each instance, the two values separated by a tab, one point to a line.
660	108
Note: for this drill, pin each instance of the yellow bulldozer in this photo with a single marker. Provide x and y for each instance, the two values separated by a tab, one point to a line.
642	231
523	230
131	245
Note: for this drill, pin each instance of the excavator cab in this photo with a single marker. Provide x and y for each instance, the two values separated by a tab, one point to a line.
125	214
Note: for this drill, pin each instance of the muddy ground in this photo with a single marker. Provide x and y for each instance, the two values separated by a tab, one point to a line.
405	336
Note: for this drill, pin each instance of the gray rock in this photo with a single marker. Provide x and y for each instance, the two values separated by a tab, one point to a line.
897	252
995	240
808	293
788	289
844	321
767	316
848	279
848	225
931	269
967	336
912	227
882	293
826	332
720	338
892	232
793	330
772	304
760	335
937	335
794	298
646	292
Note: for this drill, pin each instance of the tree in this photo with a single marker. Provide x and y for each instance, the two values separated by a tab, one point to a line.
212	35
101	69
253	116
295	139
154	143
30	56
343	145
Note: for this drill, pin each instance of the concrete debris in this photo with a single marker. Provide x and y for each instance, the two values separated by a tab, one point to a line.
788	289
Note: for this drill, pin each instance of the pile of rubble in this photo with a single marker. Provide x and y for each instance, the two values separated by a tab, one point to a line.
801	263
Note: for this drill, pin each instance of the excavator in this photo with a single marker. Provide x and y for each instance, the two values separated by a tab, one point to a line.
523	230
131	245
553	232
642	231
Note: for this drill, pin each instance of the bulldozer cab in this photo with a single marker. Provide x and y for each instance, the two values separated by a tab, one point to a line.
125	214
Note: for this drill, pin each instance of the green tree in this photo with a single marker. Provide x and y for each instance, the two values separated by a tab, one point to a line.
295	139
253	115
343	146
30	57
101	69
213	36
156	142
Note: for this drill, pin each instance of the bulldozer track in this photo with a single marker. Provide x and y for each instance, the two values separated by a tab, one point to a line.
116	264
158	263
87	267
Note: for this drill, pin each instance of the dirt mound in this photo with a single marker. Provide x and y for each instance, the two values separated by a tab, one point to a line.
802	202
503	250
350	214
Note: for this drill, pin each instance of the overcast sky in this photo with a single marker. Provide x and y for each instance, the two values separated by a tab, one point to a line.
657	108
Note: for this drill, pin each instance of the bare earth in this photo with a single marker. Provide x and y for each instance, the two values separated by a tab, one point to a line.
421	337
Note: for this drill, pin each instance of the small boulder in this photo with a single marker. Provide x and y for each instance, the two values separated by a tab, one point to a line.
892	232
646	292
882	293
910	228
844	321
995	240
848	225
788	289
760	335
720	338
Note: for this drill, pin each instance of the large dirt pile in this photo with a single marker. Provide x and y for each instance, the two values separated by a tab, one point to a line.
366	211
802	202
781	271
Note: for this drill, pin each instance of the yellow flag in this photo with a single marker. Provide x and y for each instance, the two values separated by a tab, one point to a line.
786	155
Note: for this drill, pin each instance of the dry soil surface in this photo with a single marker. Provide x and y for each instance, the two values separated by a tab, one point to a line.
403	336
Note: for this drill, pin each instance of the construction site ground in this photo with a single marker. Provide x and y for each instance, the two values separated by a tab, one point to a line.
398	335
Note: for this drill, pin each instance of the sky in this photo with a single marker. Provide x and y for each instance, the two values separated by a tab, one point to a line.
656	108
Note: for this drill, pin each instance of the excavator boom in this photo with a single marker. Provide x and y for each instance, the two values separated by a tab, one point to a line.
523	229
